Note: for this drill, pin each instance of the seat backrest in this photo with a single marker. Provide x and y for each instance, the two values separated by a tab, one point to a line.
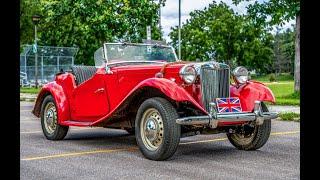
83	73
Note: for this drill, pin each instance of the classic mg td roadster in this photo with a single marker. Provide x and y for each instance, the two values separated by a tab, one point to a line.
146	90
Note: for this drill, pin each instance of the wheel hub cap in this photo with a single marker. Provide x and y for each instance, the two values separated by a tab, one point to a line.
152	129
50	118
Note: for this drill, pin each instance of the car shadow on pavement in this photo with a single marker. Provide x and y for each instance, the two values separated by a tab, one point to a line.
211	151
215	151
119	139
101	138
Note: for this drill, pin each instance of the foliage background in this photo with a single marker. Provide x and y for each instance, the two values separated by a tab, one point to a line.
88	23
215	33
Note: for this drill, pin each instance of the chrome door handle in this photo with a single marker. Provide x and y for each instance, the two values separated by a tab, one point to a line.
100	90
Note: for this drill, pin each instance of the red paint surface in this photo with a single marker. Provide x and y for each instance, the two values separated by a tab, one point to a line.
94	100
251	92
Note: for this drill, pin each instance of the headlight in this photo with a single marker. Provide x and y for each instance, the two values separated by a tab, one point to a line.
188	74
241	74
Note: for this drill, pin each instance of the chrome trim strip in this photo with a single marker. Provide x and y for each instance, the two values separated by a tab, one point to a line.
123	62
105	52
194	120
137	44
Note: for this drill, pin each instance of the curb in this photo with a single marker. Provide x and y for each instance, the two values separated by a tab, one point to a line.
285	109
28	97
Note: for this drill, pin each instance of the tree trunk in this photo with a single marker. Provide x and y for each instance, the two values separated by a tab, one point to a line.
297	56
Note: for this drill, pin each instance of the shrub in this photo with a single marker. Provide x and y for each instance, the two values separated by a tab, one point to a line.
294	95
290	116
272	77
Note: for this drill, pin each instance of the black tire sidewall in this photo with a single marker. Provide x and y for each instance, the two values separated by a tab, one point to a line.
60	131
261	135
171	129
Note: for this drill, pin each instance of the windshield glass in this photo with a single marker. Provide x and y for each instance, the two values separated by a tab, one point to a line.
139	52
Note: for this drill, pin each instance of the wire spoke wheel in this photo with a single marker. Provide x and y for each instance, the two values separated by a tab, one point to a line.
152	129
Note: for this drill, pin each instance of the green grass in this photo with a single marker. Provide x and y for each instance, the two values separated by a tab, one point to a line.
284	93
283	88
279	78
290	116
29	90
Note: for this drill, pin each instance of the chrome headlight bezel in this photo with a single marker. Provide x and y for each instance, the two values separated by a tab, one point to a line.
241	75
188	74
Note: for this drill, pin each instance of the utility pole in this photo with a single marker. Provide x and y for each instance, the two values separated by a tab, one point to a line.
179	31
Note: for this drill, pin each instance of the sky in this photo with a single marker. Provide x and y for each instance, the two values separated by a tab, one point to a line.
170	16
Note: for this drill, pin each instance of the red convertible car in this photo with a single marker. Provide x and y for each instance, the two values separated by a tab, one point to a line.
146	90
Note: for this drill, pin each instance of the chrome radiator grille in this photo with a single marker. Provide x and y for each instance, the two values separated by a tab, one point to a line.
214	84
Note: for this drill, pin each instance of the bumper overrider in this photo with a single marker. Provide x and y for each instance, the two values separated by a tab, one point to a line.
214	118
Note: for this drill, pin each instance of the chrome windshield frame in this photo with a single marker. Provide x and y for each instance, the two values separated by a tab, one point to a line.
134	44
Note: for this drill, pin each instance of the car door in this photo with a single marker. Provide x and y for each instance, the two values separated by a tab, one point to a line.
90	100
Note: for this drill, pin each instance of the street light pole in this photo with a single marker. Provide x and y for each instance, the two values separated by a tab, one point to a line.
36	55
35	20
179	33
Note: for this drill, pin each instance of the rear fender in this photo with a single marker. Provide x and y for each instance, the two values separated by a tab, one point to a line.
252	91
59	95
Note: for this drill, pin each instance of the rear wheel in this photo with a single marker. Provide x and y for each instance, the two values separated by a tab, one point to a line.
251	137
49	120
157	133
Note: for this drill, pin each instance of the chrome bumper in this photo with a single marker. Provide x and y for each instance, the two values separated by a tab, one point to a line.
214	118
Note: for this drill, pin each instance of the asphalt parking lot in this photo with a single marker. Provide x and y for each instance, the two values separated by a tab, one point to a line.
99	153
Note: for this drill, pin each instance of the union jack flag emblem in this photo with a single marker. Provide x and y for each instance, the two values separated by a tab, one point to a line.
231	104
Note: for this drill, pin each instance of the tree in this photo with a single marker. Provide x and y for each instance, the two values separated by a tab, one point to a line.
220	34
27	9
280	11
284	51
88	23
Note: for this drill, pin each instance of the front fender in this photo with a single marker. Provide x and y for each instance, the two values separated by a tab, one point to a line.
252	91
170	89
60	98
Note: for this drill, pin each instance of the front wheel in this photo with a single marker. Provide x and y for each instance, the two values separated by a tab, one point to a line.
157	133
251	137
49	120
